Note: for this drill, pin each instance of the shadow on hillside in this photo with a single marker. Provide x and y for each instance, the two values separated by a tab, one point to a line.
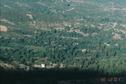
59	76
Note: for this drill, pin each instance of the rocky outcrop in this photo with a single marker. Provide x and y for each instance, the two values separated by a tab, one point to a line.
3	28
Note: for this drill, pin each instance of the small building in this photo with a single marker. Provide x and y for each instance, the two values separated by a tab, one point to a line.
61	65
43	65
24	67
39	66
84	50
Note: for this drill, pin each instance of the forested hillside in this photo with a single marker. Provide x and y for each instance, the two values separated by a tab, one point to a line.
86	34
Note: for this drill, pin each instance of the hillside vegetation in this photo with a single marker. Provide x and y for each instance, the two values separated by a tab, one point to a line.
86	34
